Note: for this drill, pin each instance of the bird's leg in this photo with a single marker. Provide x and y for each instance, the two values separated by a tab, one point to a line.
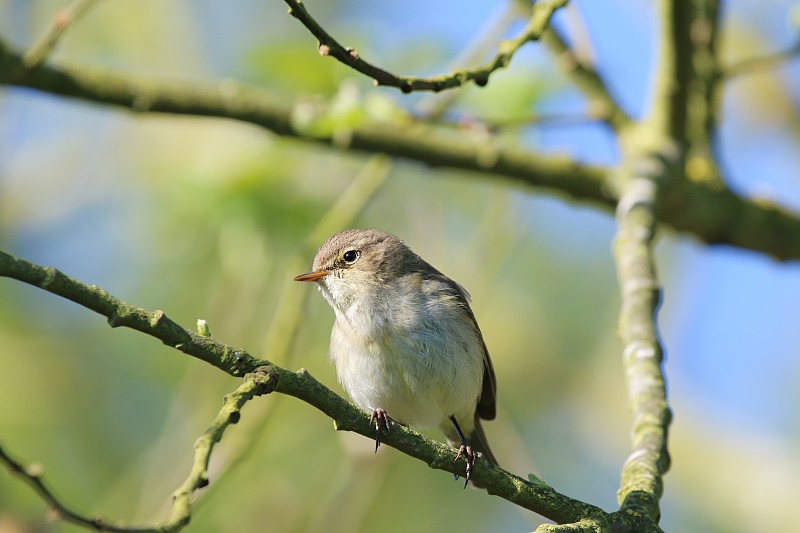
466	450
379	418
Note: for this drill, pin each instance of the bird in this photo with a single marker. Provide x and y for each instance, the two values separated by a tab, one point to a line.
405	342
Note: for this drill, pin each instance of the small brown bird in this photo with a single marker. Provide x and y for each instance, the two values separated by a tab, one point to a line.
405	342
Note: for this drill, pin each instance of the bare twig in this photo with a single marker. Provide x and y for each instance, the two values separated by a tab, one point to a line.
234	361
329	46
32	475
548	120
642	474
602	104
755	64
60	23
436	105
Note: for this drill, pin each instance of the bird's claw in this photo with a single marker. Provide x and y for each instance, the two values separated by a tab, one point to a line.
379	418
470	456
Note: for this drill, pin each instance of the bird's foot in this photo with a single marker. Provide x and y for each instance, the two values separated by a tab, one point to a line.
379	418
470	456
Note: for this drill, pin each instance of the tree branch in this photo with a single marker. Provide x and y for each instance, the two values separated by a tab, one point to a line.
229	100
704	91
642	483
32	475
755	64
668	112
329	46
685	104
61	22
602	104
534	495
435	106
704	208
255	384
234	361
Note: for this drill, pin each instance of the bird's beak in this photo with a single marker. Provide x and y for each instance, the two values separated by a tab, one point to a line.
313	276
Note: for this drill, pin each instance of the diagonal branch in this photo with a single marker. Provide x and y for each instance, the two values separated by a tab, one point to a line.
755	64
705	209
255	384
329	46
230	100
435	106
534	495
602	103
32	475
234	361
61	22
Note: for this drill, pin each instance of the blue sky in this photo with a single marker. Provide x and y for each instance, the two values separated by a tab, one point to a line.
730	317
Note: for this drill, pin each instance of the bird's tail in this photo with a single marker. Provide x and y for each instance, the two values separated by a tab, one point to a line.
477	439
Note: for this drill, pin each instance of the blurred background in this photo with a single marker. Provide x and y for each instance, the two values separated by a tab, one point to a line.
211	219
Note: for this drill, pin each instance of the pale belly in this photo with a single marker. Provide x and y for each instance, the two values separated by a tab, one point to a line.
418	378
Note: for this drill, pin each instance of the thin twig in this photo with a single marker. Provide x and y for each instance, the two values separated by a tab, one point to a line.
233	361
63	19
755	64
602	103
32	475
549	120
329	46
436	105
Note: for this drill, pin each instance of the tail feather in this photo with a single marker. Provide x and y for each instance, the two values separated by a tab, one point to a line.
477	439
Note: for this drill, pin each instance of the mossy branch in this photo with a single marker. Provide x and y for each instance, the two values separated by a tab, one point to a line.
598	526
255	384
642	473
264	377
703	208
230	100
327	45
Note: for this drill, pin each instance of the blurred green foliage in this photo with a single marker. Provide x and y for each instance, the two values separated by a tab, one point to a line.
201	217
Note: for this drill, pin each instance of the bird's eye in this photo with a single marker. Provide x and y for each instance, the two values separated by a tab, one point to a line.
351	256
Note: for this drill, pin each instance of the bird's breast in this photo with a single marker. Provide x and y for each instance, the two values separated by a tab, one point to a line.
420	368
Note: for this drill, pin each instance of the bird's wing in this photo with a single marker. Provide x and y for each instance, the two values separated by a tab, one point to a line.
487	403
